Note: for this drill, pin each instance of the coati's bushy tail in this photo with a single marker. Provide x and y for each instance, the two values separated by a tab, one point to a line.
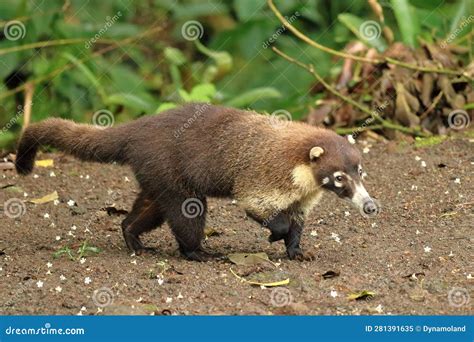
85	142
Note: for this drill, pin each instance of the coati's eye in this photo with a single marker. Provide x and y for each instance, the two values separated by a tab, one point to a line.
339	178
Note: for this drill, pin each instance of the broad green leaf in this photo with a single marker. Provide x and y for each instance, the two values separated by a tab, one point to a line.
248	97
129	100
368	31
88	73
462	10
407	21
203	92
248	9
165	106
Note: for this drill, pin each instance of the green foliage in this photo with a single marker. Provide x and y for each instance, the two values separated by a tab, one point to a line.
109	59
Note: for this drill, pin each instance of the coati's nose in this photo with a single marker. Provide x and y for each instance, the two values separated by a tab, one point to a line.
370	207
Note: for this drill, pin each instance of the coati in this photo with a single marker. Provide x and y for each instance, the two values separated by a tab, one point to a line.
276	172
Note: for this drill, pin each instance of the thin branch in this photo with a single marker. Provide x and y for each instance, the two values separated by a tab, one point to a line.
385	123
47	43
315	44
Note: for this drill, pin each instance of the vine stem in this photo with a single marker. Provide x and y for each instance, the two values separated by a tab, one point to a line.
385	123
315	44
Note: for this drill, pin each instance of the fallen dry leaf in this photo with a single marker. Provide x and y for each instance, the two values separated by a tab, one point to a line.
361	295
44	163
45	199
248	259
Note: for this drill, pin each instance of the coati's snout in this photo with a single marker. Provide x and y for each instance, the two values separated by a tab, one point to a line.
342	174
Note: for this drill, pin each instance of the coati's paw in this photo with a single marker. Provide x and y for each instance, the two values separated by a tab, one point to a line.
295	254
201	255
146	250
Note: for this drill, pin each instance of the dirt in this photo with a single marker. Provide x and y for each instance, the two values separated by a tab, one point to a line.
415	256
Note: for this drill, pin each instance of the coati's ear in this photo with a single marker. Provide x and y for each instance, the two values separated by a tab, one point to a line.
315	153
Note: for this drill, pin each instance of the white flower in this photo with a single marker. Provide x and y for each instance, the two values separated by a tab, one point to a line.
314	233
52	174
379	308
417	158
423	163
73	227
366	150
49	265
56	202
71	203
39	283
333	294
427	249
82	260
134	262
58	238
46	216
457	181
35	176
169	300
180	296
58	288
87	280
61	277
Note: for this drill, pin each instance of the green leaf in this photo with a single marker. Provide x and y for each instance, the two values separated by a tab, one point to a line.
248	97
222	59
461	11
248	9
129	100
368	31
203	92
174	56
407	21
165	106
88	73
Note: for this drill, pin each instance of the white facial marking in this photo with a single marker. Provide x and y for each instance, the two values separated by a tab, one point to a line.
325	180
360	196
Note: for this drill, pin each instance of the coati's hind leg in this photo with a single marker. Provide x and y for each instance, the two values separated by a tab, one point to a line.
145	216
292	240
187	219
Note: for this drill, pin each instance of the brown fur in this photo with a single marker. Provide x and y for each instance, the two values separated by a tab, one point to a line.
201	150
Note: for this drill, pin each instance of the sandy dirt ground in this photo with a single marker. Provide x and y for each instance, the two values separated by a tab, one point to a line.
416	256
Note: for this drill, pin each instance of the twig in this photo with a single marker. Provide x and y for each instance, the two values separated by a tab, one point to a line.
315	44
29	90
350	130
432	105
385	123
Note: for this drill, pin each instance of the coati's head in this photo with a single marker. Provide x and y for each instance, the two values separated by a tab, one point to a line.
337	167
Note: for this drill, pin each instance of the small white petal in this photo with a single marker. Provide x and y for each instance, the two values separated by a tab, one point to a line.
39	283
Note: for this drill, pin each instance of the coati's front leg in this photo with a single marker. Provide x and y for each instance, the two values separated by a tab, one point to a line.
146	215
292	239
